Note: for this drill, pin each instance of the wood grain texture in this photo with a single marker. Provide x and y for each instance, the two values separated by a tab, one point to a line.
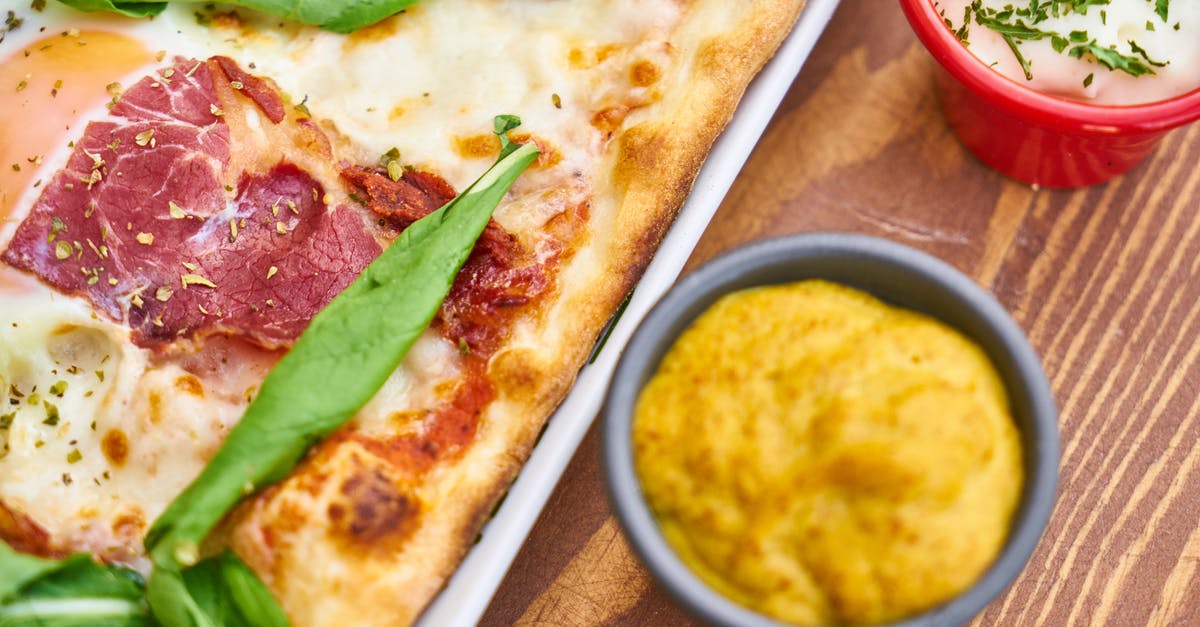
1104	280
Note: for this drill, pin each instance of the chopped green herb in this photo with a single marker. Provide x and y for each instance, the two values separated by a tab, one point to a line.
1111	59
1012	45
11	23
302	108
51	414
1139	51
393	154
74	456
1087	80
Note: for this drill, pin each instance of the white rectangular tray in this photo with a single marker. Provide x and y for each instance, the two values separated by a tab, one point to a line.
471	588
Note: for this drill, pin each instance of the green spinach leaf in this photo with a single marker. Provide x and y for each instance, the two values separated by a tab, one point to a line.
72	592
338	363
339	16
18	570
220	591
136	8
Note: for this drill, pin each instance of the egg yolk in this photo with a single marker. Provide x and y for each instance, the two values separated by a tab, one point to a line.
46	86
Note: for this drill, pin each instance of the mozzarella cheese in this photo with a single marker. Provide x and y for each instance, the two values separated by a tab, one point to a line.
428	82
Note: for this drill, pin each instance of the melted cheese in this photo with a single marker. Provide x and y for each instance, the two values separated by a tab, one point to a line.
429	81
99	438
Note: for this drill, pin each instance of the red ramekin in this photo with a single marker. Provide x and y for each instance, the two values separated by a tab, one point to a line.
1034	137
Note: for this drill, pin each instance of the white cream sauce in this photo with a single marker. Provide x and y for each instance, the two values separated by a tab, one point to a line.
1174	42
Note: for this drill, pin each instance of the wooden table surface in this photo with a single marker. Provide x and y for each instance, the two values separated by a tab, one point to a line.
1105	282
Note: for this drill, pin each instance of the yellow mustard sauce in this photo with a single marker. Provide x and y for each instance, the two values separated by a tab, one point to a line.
823	458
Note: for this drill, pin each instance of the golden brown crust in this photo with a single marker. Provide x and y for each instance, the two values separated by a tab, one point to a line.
416	529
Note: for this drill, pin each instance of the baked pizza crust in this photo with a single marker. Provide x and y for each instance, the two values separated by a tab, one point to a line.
406	534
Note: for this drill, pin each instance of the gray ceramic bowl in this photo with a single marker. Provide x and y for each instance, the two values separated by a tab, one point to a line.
897	274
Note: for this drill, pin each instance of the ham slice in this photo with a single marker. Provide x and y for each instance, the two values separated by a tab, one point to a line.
200	206
197	207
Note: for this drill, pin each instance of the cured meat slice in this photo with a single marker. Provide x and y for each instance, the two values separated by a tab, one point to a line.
177	214
499	276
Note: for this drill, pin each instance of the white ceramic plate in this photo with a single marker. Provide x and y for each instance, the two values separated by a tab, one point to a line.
471	588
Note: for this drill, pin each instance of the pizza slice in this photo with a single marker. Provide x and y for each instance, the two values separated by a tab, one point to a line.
194	230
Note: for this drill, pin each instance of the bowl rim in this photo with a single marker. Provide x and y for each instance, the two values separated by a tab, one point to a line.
1043	109
695	292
